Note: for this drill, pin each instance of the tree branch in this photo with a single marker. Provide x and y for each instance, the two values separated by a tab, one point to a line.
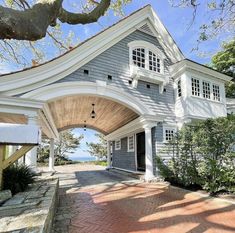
30	24
84	18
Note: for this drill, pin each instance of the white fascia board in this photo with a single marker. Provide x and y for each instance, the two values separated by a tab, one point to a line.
134	126
20	134
58	68
20	82
16	105
177	69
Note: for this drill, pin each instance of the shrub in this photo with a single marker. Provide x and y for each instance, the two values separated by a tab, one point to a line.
17	178
202	155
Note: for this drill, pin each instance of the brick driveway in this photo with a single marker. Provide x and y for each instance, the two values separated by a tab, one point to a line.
96	201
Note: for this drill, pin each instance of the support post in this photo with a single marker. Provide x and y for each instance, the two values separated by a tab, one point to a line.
108	155
52	154
149	174
2	156
31	158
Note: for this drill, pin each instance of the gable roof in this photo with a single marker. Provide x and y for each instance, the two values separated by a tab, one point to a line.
58	68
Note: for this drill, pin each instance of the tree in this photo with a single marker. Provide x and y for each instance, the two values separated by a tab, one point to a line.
67	144
218	20
99	149
224	61
33	21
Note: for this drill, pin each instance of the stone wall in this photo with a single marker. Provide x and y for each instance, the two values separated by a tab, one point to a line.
31	211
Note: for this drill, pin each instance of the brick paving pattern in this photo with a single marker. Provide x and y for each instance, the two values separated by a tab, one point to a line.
96	201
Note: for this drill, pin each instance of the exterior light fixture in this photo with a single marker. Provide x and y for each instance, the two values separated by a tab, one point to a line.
84	125
93	114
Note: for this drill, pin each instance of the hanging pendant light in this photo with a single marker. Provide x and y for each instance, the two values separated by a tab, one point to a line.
84	125
93	114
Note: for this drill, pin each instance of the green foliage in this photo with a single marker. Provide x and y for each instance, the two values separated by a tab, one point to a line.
17	178
224	61
67	144
203	155
99	149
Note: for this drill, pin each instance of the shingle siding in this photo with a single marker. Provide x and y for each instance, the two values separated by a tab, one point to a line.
123	159
115	61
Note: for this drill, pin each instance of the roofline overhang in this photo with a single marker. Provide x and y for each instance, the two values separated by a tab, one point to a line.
21	82
187	65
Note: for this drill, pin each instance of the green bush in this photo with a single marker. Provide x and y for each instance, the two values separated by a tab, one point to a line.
17	178
202	155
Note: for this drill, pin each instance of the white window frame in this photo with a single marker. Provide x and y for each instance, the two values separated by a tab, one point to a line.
120	144
172	128
205	81
200	87
211	84
212	91
148	47
128	143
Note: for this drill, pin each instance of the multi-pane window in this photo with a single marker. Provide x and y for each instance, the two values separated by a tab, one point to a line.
118	145
206	90
216	92
131	143
138	57
195	87
169	134
154	62
179	90
145	58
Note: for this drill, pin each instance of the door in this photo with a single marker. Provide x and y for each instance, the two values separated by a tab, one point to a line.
140	143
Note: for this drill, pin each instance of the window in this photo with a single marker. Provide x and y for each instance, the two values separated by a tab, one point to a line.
206	90
216	92
154	62
195	87
179	90
131	143
118	145
169	134
138	57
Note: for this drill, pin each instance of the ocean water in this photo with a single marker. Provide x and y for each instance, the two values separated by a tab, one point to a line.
82	159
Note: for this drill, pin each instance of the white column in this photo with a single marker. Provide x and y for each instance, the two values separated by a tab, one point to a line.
108	155
148	154
31	158
52	152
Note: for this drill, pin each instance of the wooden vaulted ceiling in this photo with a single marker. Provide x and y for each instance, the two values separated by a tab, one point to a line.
72	111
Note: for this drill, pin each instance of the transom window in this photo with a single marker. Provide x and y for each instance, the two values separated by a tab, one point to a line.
206	90
195	87
118	145
216	92
179	90
138	57
131	143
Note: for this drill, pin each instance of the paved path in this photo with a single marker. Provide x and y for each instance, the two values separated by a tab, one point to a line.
96	201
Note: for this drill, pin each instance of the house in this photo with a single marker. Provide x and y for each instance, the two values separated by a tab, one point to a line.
136	80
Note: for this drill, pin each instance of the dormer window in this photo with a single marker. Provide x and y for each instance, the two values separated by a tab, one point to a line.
147	56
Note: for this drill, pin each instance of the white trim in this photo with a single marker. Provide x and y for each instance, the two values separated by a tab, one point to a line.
135	126
128	143
186	65
130	171
59	90
119	141
168	127
56	69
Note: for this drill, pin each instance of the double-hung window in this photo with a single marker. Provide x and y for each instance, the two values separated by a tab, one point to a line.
206	90
118	145
216	92
195	86
131	143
